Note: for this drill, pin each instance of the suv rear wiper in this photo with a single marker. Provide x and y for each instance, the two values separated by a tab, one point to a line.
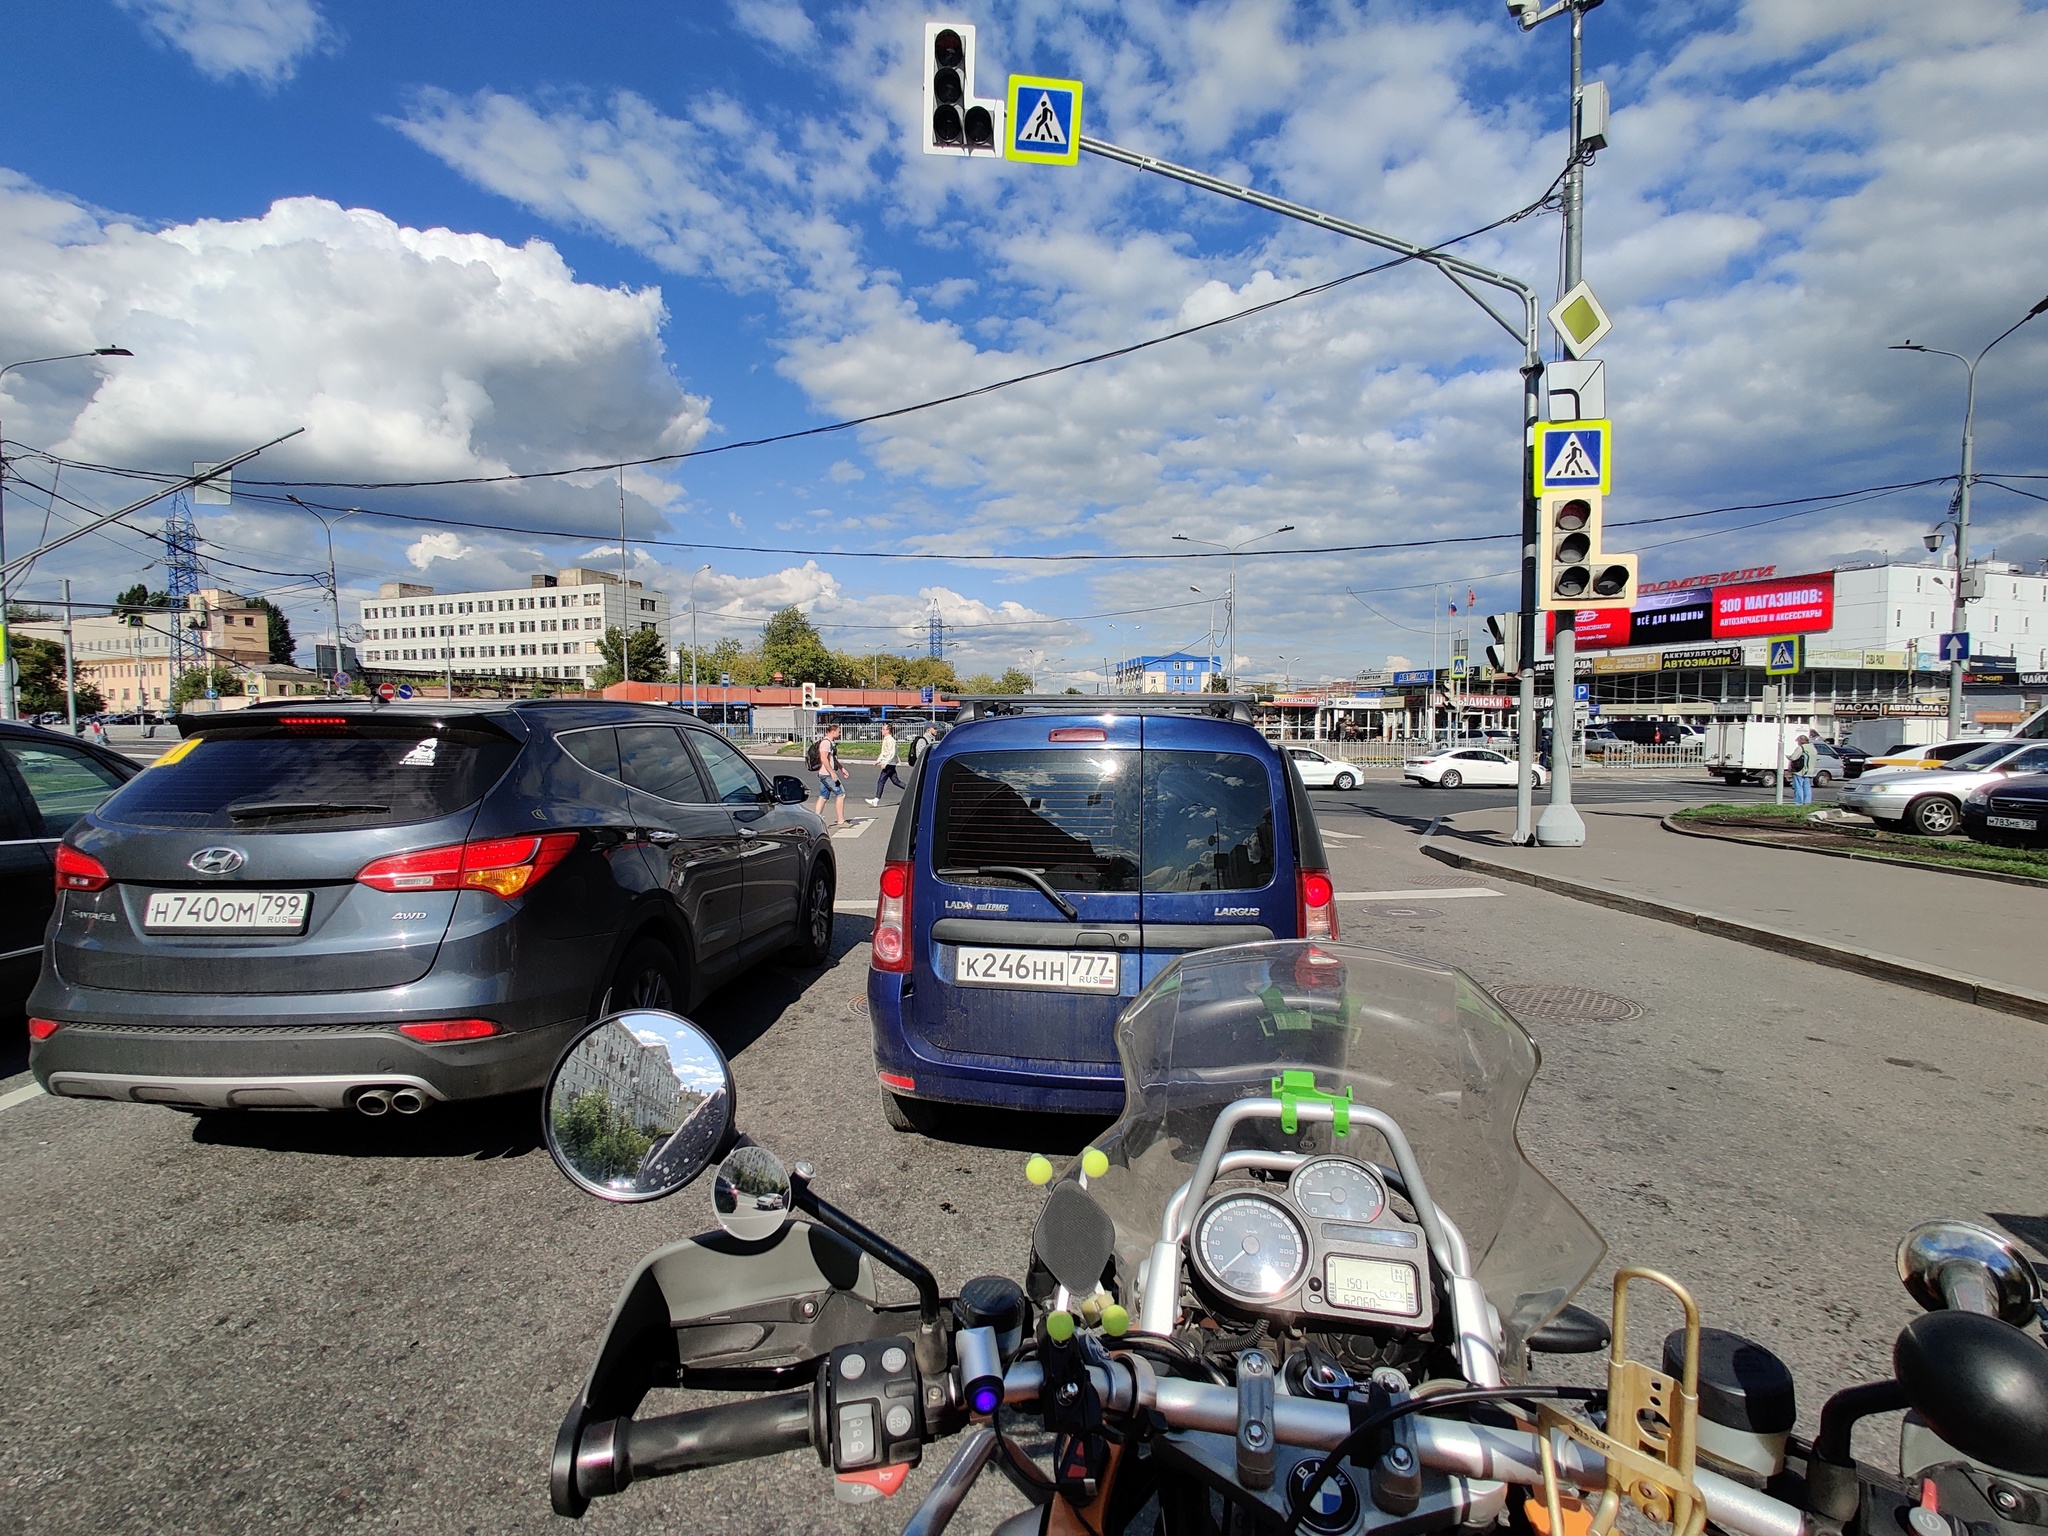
251	810
1031	877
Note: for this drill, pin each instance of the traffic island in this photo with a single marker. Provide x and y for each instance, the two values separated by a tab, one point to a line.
1822	830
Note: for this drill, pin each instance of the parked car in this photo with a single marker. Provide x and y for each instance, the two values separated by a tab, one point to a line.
1320	772
1933	755
2011	809
1853	759
1466	765
1045	865
357	905
1932	803
47	781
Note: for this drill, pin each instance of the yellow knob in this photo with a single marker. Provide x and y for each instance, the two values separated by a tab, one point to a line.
1115	1321
1059	1326
1038	1169
1094	1163
1091	1310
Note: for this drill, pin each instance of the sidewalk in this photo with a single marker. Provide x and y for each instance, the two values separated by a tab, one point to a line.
1979	941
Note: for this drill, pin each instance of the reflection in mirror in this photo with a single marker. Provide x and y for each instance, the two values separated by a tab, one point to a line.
639	1105
751	1195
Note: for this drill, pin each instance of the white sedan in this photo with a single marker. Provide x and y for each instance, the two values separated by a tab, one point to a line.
1320	772
1466	765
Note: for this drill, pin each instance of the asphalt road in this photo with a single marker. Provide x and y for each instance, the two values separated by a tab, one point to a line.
290	1322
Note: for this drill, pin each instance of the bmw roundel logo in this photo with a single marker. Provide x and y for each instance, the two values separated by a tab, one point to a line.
1335	1504
216	861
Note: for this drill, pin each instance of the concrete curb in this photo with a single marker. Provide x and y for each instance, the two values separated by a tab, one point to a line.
1686	829
1842	957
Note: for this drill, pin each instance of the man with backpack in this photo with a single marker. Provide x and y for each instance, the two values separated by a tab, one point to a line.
822	758
919	745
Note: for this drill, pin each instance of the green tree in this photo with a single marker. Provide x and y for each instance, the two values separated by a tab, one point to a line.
1014	680
790	644
139	596
41	679
18	613
221	678
641	661
598	1139
281	643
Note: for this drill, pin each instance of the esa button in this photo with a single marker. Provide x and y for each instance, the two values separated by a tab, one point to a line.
897	1420
893	1359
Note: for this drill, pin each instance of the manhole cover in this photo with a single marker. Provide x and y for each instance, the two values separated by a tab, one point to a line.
1567	1005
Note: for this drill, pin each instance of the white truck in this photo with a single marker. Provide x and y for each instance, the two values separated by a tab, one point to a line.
1742	751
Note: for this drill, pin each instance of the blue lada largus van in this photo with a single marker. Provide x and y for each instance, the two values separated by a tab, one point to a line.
1046	864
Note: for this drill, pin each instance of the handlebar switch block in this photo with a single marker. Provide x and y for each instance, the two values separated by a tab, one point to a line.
871	1401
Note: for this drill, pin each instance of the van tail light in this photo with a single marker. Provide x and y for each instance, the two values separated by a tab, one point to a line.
1316	904
892	920
442	1031
79	871
42	1029
504	866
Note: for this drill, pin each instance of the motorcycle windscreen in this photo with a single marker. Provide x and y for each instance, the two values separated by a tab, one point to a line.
1421	1042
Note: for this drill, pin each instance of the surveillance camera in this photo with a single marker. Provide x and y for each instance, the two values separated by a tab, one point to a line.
1520	8
1932	541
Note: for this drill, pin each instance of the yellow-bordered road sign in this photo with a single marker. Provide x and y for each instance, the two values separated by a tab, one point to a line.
1044	125
1784	655
1574	456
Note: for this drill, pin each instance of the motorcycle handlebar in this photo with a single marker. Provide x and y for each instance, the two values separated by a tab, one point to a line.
614	1453
1466	1450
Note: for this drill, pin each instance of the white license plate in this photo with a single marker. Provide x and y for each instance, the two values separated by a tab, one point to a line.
2013	823
1046	970
226	912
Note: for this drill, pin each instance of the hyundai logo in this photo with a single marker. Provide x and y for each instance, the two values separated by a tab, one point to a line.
216	861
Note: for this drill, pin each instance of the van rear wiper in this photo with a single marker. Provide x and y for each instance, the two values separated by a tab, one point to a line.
1031	877
253	810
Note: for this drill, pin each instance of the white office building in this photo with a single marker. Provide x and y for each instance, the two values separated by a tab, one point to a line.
549	628
1908	607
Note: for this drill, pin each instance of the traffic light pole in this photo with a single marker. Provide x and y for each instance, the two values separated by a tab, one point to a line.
1561	825
1464	274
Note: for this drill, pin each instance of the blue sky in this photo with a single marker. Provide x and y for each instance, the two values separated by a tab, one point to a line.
462	239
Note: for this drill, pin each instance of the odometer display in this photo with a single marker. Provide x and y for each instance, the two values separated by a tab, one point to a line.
1251	1247
1372	1285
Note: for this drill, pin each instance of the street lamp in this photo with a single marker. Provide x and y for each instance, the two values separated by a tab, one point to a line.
6	650
1959	619
333	589
1230	596
693	638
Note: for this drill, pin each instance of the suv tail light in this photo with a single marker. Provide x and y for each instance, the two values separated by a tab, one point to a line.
504	866
442	1031
1316	904
892	920
42	1029
79	871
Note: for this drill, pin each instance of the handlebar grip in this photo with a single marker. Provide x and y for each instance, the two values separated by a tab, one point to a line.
618	1452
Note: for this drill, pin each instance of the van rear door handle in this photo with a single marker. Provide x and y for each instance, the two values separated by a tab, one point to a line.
748	832
661	838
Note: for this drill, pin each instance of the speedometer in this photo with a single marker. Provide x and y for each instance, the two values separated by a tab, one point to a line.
1251	1247
1338	1189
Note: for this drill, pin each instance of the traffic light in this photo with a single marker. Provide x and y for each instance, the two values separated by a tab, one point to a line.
1572	571
810	695
1504	642
956	121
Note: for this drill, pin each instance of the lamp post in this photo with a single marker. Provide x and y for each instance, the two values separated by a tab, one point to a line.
333	589
693	637
1959	618
7	650
1230	595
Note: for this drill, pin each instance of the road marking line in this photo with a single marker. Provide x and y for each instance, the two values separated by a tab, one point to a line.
1453	892
1346	837
853	906
20	1096
853	829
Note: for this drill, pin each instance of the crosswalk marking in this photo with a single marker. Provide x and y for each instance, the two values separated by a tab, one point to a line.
20	1096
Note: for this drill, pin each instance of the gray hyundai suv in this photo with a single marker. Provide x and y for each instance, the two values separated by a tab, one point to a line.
347	905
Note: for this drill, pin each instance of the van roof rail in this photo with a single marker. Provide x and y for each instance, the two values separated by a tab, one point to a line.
1221	706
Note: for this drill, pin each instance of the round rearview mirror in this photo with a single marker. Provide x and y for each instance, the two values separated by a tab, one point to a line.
639	1105
751	1195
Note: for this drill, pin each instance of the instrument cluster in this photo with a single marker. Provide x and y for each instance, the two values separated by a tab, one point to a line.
1328	1246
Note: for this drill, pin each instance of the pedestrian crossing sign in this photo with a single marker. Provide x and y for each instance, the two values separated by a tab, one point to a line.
1784	658
1044	121
1574	456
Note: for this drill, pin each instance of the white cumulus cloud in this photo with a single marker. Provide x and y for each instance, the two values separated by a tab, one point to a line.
262	40
429	547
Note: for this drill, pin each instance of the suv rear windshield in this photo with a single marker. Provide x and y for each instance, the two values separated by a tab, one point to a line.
337	773
1198	821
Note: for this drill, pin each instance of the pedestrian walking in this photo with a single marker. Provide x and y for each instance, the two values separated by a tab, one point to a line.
885	764
96	732
1804	763
919	745
824	758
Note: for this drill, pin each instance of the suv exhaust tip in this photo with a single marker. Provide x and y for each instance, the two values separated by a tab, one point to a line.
373	1102
408	1101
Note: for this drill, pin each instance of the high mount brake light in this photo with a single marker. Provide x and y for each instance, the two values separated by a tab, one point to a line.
891	945
79	871
1316	905
504	866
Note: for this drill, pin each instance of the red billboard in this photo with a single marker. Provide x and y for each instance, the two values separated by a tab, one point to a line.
1596	629
1791	605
